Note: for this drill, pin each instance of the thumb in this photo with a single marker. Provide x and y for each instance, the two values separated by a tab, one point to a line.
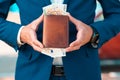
75	43
35	24
73	20
38	20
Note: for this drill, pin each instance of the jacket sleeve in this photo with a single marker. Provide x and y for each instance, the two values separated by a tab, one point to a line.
8	30
110	26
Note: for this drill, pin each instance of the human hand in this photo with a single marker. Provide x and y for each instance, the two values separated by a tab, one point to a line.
83	35
28	34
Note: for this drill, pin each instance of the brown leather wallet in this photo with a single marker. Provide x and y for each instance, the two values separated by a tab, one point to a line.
55	31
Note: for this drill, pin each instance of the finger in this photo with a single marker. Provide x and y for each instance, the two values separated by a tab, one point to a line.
75	43
74	46
76	22
38	20
37	46
37	43
71	48
72	19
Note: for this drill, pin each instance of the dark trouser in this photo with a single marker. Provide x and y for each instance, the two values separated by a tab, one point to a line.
57	73
52	77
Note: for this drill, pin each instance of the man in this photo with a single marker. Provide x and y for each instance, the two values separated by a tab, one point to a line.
81	61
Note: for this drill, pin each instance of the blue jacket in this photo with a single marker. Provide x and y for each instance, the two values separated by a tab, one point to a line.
82	64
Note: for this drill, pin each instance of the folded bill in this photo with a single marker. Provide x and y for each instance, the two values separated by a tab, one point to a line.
55	9
54	52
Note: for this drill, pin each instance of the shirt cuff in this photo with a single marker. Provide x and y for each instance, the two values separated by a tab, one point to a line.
18	37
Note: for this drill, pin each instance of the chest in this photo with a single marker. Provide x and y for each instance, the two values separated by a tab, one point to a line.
31	9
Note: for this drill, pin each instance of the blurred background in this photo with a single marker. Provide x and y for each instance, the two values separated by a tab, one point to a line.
109	53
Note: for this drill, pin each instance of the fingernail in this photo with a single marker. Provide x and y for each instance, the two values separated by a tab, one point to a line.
41	45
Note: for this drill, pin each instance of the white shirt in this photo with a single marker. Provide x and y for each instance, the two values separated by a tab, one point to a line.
56	61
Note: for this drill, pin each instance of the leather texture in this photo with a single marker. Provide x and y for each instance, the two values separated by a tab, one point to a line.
55	31
82	64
